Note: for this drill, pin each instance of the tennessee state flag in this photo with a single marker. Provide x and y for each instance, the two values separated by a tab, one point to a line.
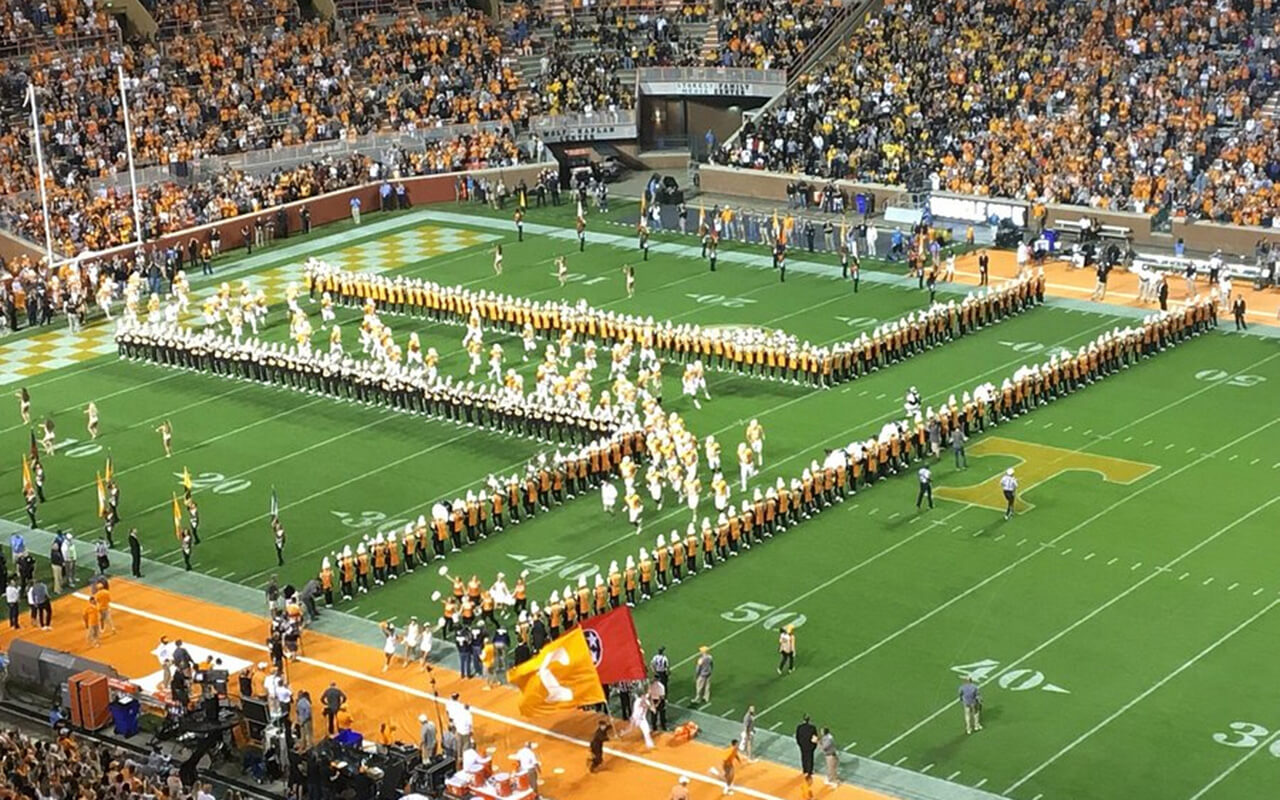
102	496
614	646
27	485
560	677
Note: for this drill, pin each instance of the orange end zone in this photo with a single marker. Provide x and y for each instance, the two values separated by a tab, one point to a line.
143	614
1063	280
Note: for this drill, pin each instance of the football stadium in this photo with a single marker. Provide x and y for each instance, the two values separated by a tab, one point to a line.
864	400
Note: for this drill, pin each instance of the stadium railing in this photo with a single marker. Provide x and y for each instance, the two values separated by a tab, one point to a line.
718	81
585	126
1199	236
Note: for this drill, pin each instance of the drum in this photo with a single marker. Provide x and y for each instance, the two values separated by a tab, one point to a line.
502	784
520	782
458	786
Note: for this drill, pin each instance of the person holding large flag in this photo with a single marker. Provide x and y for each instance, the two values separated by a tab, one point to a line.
560	677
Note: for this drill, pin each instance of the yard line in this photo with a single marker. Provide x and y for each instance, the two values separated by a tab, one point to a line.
383	417
998	538
1021	543
1232	587
1135	566
1091	555
1260	591
201	443
775	725
1037	797
728	713
899	762
1112	561
1068	550
849	748
1082	620
873	512
1128	439
953	775
830	581
980	783
1184	576
1004	570
1191	450
132	388
1207	581
1169	446
1047	424
880	396
1068	428
1148	442
1221	776
895	515
1234	456
1150	690
926	768
1086	433
1255	461
957	528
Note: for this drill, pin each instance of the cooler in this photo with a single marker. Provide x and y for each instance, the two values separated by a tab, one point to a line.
124	712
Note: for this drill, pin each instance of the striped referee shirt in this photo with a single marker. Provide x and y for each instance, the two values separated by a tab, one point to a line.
660	664
1009	483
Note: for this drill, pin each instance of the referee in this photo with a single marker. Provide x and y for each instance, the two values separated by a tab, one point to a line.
661	667
926	487
1009	485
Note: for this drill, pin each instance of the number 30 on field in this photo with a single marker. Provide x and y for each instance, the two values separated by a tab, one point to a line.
1248	735
749	613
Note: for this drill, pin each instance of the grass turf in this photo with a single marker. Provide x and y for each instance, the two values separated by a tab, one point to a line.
1110	620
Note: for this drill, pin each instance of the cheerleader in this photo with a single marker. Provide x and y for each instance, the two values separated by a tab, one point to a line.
609	496
497	260
635	509
47	439
24	404
629	274
92	413
495	363
326	310
166	437
562	270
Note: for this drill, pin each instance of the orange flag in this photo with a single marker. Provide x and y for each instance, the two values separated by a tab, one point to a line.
562	676
102	496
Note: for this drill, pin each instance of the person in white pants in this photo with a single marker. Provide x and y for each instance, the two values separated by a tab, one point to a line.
640	718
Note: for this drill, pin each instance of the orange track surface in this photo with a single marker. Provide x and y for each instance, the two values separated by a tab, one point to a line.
1062	280
143	614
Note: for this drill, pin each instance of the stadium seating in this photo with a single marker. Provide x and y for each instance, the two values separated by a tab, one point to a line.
277	81
769	34
1139	107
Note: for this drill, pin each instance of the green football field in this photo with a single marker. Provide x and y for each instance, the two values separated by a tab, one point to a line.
1122	626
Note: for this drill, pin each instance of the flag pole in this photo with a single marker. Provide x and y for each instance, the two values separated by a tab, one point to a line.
128	149
44	199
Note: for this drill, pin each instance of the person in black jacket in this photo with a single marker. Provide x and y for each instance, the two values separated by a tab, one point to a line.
135	554
807	741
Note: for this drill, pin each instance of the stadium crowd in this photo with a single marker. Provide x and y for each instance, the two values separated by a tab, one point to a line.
75	769
770	34
1137	106
237	90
